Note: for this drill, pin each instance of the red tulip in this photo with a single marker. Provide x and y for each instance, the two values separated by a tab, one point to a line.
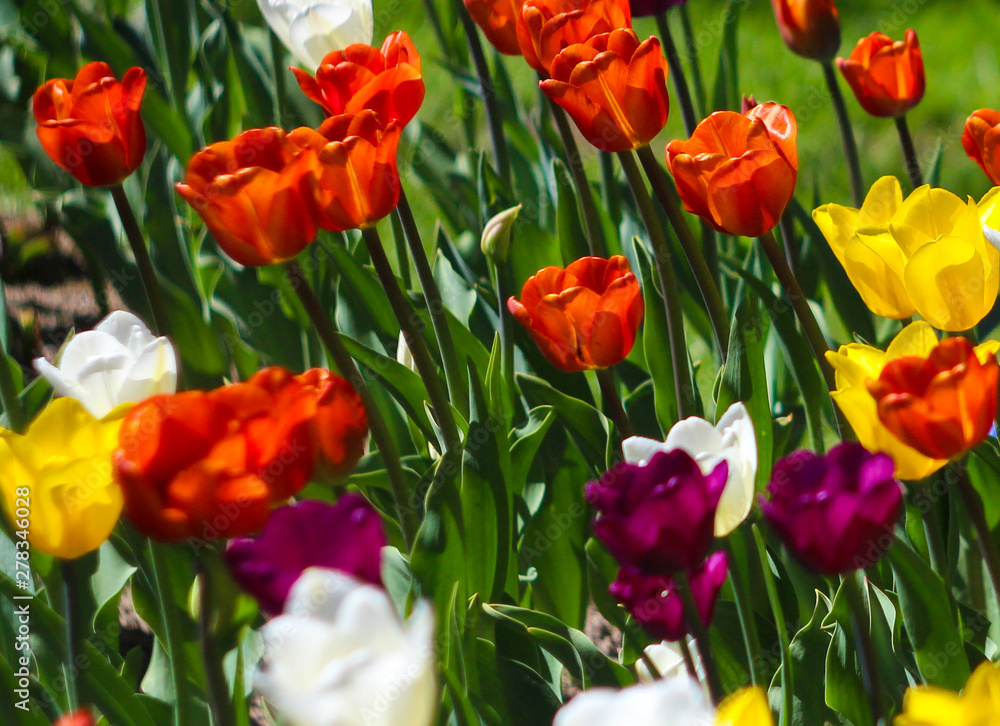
498	21
887	78
810	28
546	27
981	141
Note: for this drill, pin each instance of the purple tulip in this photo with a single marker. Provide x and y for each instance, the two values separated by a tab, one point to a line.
659	517
641	8
655	603
345	536
835	512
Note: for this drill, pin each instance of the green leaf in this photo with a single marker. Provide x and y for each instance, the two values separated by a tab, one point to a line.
527	439
655	344
585	423
809	648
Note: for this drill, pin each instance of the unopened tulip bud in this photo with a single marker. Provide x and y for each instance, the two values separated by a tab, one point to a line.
809	28
495	241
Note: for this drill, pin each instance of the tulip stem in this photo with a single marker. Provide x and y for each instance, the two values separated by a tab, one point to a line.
154	294
172	634
909	152
692	52
8	392
667	196
407	320
846	134
494	119
432	297
220	702
72	614
677	71
863	642
683	387
974	507
689	663
502	276
327	332
694	623
613	403
591	219
787	677
744	606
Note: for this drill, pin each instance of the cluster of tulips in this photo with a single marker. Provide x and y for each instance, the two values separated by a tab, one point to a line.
226	465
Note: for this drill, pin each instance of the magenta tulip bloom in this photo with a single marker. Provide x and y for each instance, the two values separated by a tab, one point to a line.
655	603
835	512
641	8
345	536
659	517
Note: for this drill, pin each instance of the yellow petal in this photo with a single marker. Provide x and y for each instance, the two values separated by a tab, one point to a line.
745	708
838	225
926	215
989	208
875	264
949	283
856	363
987	349
74	508
917	339
928	706
883	201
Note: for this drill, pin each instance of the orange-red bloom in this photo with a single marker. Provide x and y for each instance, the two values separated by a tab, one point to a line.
981	141
942	405
887	78
80	717
90	126
213	464
386	80
738	172
584	317
256	194
614	88
810	28
358	180
546	27
498	21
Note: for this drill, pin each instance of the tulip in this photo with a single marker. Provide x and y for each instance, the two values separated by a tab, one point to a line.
645	8
731	440
667	658
655	603
90	126
312	28
117	362
346	536
978	705
747	707
213	464
584	317
60	471
989	215
887	78
546	27
80	717
981	141
497	233
835	512
257	195
738	171
943	404
810	28
927	254
386	80
658	517
341	656
358	179
498	21
645	703
614	88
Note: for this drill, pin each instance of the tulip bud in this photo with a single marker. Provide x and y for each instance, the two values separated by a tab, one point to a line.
495	241
887	77
80	717
810	28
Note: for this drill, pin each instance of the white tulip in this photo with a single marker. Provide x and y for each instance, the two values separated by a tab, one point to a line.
731	440
340	656
117	362
677	701
310	29
669	661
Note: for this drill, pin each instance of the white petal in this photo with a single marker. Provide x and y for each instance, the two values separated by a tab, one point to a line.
324	27
127	329
319	593
639	450
679	701
737	430
274	16
153	372
695	436
667	658
95	403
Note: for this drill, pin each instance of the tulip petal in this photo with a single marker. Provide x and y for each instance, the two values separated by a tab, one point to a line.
948	284
875	265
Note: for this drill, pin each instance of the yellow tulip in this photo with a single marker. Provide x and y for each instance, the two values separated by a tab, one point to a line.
745	708
856	364
927	254
979	704
63	464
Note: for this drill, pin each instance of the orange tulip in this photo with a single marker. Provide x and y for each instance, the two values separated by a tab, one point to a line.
810	28
738	172
80	717
213	464
614	88
256	194
941	405
584	317
887	78
546	27
498	21
358	182
386	80
981	141
90	126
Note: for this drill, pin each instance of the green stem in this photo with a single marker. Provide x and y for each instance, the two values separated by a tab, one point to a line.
407	320
700	633
70	577
504	288
846	134
137	242
432	12
174	645
677	72
432	297
987	543
327	331
744	607
909	152
667	196
613	403
220	702
683	387
789	242
787	680
863	643
8	392
692	52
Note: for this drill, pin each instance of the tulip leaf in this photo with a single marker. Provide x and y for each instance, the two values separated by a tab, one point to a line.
845	691
654	342
809	648
526	441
